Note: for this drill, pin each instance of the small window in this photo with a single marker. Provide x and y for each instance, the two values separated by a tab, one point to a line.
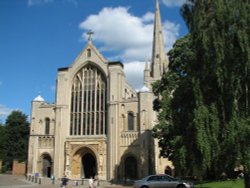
130	121
88	53
47	125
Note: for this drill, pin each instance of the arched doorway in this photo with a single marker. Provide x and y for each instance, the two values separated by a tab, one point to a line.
168	170
89	168
46	165
130	168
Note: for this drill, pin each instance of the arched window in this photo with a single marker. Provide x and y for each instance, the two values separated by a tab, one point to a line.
123	124
47	125
130	121
88	102
88	53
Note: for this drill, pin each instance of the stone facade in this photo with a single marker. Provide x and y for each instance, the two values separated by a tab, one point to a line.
98	125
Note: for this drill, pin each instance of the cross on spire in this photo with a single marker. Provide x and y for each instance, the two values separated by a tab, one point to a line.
90	33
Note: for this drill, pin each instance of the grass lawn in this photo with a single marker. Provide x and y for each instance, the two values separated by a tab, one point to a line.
222	184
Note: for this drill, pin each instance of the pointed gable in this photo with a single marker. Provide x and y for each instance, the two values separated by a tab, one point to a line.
89	54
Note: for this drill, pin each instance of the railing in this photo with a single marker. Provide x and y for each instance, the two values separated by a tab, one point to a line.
129	138
46	141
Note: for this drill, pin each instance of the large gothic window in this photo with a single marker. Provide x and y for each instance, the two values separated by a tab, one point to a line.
88	102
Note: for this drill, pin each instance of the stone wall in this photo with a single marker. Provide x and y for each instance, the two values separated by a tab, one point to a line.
1	164
19	168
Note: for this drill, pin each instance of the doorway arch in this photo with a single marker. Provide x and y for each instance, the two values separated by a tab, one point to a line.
84	163
89	166
168	170
46	165
130	168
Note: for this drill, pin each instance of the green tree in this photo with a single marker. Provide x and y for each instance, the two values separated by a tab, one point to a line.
184	131
220	35
17	118
174	84
204	119
2	141
15	139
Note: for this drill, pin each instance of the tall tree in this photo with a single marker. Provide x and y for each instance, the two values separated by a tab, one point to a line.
2	141
220	34
15	140
204	120
183	131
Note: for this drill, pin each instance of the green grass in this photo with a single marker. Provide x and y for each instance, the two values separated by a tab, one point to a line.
222	184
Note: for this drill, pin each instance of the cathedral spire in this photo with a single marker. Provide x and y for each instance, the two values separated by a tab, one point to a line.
159	58
146	74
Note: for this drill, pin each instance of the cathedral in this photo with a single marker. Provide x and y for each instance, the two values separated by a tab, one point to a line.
99	124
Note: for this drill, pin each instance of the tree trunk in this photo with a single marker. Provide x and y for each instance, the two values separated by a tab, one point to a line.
247	180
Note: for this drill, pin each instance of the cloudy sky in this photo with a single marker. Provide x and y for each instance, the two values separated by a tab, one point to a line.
39	36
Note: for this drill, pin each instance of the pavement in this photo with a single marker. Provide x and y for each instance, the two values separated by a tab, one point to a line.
20	181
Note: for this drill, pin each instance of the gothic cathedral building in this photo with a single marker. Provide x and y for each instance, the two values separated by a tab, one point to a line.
99	125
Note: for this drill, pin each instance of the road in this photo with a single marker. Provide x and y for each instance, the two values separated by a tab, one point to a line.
12	181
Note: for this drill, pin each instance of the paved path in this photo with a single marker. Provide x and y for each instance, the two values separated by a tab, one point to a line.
12	181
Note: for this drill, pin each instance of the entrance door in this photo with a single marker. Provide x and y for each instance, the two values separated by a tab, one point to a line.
88	166
46	168
130	168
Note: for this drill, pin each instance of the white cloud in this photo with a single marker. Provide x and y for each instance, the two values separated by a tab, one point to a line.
171	33
41	2
74	2
129	37
134	73
149	16
4	112
174	3
38	2
53	88
118	30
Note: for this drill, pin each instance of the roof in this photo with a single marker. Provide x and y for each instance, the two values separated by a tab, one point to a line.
39	99
116	63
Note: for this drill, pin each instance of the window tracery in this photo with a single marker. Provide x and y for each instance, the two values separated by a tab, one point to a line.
88	102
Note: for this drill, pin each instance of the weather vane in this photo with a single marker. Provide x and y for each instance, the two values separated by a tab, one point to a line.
89	33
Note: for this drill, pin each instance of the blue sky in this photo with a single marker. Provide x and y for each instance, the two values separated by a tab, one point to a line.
39	36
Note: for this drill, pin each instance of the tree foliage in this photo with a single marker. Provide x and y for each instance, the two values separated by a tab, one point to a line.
14	139
203	100
2	141
16	118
